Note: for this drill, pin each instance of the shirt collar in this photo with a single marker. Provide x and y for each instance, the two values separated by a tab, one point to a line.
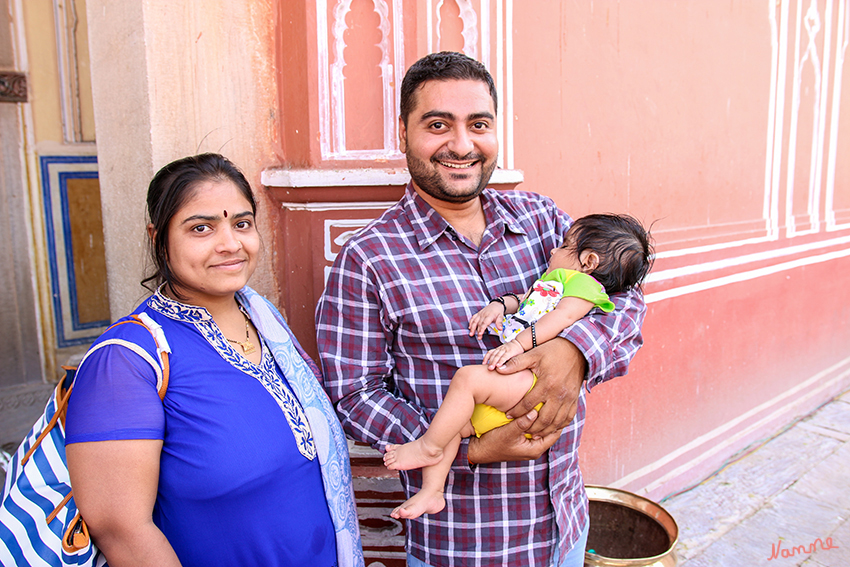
499	218
429	225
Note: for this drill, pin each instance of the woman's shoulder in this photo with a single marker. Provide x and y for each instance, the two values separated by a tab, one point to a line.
132	328
134	333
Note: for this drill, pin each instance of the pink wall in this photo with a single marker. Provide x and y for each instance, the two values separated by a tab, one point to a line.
663	109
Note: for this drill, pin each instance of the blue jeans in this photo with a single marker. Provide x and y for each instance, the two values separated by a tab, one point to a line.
575	557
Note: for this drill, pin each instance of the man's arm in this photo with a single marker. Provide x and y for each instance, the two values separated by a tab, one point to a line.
354	340
598	347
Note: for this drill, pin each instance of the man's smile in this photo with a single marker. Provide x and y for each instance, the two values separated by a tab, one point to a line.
457	165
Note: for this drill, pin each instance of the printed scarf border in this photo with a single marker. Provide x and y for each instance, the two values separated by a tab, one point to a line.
332	448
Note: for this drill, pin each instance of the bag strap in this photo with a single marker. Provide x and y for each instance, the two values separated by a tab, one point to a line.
162	372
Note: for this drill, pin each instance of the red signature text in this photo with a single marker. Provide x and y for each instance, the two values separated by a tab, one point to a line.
776	550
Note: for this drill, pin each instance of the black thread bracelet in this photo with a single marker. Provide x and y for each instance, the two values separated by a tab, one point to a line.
515	296
502	301
533	336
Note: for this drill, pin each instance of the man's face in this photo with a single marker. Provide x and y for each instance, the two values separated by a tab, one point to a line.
450	139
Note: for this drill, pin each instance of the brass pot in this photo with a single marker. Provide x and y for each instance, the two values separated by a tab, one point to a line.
627	530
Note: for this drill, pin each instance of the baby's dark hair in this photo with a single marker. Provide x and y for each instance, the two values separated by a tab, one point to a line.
624	247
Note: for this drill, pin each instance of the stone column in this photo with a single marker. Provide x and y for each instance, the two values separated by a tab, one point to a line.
171	79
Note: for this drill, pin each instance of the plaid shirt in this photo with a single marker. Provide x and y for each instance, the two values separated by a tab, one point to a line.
392	330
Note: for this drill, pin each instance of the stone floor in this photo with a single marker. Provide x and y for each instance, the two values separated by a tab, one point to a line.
786	502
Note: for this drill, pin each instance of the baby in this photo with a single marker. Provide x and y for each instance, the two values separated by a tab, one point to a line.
602	254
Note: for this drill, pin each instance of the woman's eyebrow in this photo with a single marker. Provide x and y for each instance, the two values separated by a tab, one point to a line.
214	218
207	218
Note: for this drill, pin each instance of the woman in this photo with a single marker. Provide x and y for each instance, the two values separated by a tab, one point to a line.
225	470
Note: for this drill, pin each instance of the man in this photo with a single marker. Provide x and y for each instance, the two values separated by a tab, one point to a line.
392	329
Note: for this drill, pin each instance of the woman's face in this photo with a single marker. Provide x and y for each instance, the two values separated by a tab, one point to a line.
213	243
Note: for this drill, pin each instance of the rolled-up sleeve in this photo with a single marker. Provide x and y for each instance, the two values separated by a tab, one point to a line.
609	341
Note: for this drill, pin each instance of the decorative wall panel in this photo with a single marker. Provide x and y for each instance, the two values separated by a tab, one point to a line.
74	231
364	49
806	135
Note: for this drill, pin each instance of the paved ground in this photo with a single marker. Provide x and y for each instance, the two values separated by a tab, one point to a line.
785	503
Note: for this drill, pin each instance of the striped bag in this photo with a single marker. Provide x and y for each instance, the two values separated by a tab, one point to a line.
39	522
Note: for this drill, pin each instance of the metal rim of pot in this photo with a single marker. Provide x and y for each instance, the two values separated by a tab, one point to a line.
641	504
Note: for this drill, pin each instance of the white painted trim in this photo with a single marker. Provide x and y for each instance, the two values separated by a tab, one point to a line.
500	79
775	148
810	57
470	28
324	68
331	92
712	247
719	439
508	112
387	78
371	177
33	204
744	276
485	33
772	140
815	199
399	68
745	259
324	207
429	26
791	167
66	59
779	58
841	42
354	224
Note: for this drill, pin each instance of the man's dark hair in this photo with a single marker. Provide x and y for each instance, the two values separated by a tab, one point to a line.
442	66
624	247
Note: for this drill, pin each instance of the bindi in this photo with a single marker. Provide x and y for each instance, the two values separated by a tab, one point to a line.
225	214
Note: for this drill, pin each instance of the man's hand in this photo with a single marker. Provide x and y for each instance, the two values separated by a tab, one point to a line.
509	443
560	368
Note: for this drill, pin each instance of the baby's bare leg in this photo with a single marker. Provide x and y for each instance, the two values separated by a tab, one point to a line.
430	499
470	385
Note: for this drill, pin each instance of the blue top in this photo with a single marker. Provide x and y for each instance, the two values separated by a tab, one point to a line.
234	488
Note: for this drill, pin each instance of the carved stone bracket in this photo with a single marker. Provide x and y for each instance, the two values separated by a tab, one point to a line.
13	86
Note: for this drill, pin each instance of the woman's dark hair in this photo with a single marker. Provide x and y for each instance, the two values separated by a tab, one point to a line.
442	66
169	190
624	247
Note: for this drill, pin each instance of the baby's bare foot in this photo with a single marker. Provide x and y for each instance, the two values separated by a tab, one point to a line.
422	502
413	455
389	455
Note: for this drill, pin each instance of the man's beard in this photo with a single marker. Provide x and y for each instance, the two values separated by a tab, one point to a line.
430	180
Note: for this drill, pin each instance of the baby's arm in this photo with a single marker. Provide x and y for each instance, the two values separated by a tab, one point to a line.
493	313
568	311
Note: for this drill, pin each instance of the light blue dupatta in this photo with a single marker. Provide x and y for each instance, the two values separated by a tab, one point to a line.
303	376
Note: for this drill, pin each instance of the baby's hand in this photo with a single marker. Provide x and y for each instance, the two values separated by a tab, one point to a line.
500	355
479	322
